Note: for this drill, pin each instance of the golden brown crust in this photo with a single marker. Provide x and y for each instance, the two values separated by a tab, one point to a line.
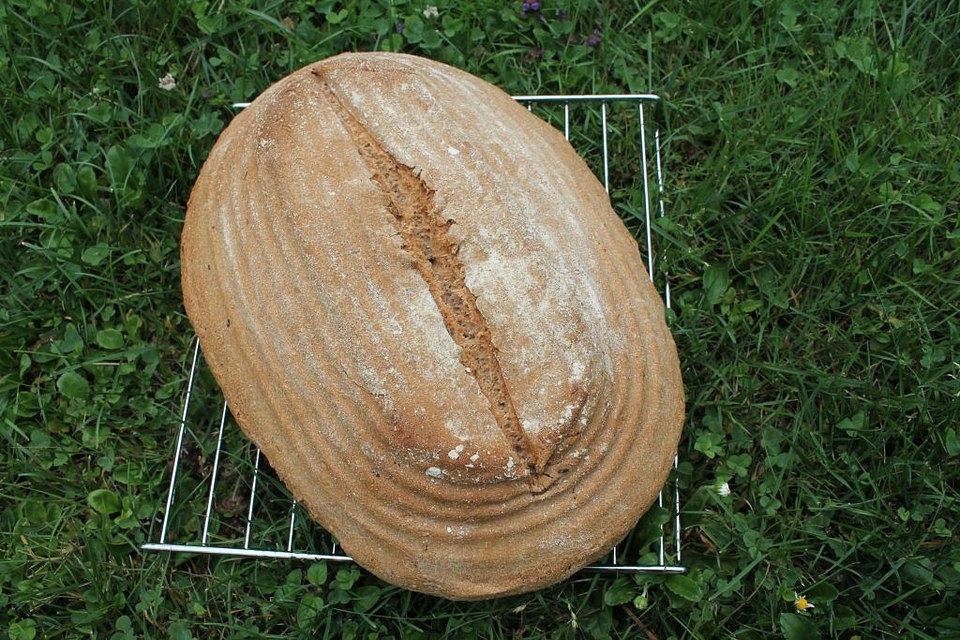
323	328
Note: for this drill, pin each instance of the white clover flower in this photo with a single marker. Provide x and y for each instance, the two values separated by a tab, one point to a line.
167	83
724	489
431	12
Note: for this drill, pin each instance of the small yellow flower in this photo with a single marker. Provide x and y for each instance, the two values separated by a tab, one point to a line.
801	603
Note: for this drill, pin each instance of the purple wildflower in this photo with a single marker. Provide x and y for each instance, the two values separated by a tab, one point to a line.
594	40
534	6
399	27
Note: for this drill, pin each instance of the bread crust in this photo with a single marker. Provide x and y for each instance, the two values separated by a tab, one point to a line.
327	332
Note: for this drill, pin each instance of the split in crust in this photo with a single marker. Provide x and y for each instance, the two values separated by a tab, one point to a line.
434	254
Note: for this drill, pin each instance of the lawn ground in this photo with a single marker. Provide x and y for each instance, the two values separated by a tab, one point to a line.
813	239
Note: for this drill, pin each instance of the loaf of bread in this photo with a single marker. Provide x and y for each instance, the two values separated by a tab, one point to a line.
420	304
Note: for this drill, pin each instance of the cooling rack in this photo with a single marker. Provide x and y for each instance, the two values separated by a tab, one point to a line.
223	499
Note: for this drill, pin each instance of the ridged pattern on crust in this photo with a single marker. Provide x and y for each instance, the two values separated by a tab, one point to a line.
335	359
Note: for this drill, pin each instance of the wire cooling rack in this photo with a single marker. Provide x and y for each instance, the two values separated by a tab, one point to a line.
222	497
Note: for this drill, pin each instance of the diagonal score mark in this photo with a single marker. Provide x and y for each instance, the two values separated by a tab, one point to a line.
425	237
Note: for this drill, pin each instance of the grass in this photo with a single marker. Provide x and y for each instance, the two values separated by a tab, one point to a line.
813	238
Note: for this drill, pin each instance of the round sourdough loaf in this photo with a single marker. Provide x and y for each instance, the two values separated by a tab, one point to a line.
421	306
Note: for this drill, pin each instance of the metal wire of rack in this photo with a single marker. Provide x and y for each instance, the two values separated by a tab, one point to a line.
252	515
